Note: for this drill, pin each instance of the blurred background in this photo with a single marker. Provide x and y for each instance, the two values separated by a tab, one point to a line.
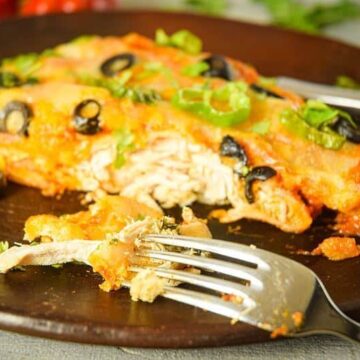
335	18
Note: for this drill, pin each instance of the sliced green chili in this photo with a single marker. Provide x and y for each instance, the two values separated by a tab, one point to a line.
325	137
225	106
182	39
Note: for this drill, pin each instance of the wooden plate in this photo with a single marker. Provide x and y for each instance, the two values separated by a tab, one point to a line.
66	303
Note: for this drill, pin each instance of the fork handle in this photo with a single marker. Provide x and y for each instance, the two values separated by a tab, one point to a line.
329	94
324	317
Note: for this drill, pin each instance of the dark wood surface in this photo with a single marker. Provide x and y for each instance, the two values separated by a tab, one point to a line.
66	303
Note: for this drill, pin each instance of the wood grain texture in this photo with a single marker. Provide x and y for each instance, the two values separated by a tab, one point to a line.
66	303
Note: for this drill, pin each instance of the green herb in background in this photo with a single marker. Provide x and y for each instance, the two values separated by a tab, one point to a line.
212	7
294	15
347	82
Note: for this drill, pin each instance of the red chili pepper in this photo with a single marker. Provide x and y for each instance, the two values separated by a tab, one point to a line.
70	6
103	4
40	7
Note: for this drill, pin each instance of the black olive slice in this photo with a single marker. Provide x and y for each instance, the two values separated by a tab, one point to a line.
343	127
219	67
229	147
115	64
9	80
260	90
86	117
261	173
16	118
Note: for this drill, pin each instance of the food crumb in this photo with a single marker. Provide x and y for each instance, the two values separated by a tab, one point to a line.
146	286
298	318
217	214
280	331
232	298
348	223
337	248
236	230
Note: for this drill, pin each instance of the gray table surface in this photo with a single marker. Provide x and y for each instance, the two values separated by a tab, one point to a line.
14	346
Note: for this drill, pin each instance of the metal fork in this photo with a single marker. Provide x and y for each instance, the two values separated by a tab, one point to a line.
269	291
328	94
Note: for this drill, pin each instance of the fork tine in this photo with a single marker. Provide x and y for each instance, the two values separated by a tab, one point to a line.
207	302
221	247
220	285
224	267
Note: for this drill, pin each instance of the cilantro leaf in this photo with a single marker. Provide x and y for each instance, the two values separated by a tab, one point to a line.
195	69
261	127
4	245
124	142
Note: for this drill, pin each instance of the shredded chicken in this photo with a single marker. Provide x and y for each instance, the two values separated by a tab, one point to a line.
173	171
112	255
47	254
146	286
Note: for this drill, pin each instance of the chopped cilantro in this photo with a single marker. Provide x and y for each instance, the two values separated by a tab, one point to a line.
124	142
82	39
49	53
9	80
261	127
140	217
151	68
244	170
195	69
4	245
347	82
57	266
144	96
118	89
168	224
113	241
156	67
266	81
35	243
25	64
